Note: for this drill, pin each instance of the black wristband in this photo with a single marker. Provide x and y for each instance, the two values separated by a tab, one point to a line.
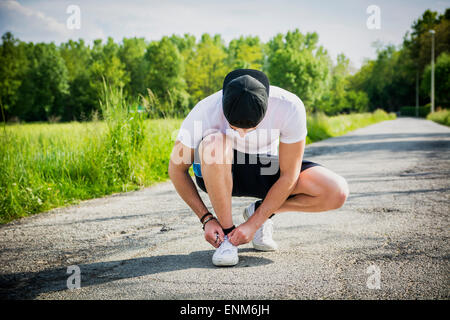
227	231
205	215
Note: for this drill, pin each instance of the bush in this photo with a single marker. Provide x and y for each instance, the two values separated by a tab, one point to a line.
411	111
442	117
125	134
442	80
349	102
322	127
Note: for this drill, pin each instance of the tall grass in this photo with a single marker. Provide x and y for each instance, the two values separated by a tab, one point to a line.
43	166
441	116
124	137
322	127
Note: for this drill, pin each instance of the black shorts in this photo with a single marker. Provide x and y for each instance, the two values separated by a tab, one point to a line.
253	174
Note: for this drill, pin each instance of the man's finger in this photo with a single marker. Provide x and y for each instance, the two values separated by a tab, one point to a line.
221	235
218	237
231	237
218	241
214	243
211	240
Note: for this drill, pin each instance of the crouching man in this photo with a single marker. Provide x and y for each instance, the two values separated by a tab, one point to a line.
248	140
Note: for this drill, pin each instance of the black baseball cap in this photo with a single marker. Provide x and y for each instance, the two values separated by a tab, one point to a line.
245	97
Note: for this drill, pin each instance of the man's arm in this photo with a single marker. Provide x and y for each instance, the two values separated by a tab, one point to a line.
290	157
181	159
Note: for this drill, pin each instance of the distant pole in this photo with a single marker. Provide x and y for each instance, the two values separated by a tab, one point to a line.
417	92
432	70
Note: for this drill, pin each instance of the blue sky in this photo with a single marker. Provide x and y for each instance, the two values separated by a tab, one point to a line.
341	25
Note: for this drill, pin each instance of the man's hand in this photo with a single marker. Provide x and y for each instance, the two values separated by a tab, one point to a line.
212	229
242	234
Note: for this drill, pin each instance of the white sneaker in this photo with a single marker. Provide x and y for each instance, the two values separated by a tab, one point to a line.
263	237
226	254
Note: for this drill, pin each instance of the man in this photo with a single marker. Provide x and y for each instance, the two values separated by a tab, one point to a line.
248	139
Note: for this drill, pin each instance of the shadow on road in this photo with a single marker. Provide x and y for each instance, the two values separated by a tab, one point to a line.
28	285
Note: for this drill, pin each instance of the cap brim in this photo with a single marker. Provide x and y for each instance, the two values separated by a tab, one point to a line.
258	75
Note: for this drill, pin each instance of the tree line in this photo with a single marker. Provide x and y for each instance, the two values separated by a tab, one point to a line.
400	75
45	81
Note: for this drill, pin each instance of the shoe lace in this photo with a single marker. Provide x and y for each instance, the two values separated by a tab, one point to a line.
226	246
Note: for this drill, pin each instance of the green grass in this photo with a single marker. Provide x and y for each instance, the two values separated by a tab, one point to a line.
322	127
44	166
442	117
422	111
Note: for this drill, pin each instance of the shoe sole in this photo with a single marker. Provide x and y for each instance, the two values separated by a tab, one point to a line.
255	245
219	263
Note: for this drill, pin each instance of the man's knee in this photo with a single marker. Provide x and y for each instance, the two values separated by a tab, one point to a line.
215	148
340	193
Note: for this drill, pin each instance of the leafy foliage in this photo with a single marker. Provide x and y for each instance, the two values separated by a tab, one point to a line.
441	116
45	82
296	63
442	80
390	79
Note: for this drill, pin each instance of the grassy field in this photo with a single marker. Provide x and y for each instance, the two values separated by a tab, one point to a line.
442	117
321	127
43	166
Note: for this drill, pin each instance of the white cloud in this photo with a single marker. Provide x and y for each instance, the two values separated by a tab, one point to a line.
20	18
35	22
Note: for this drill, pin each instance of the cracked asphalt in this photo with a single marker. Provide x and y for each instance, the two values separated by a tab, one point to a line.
389	241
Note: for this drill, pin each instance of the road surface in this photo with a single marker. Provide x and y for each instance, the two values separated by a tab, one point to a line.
389	241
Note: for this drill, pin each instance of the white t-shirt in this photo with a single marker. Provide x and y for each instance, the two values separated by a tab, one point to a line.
285	121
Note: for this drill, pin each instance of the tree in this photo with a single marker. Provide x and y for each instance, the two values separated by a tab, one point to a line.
131	53
41	81
339	98
388	80
44	86
105	64
419	40
165	78
296	63
442	80
82	98
186	45
206	68
246	53
13	65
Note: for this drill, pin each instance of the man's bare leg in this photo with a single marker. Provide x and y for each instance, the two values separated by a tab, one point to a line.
318	189
216	155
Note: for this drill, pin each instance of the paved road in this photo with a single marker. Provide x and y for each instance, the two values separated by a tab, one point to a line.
147	244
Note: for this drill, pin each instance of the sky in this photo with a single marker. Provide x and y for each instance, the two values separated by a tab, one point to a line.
341	25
